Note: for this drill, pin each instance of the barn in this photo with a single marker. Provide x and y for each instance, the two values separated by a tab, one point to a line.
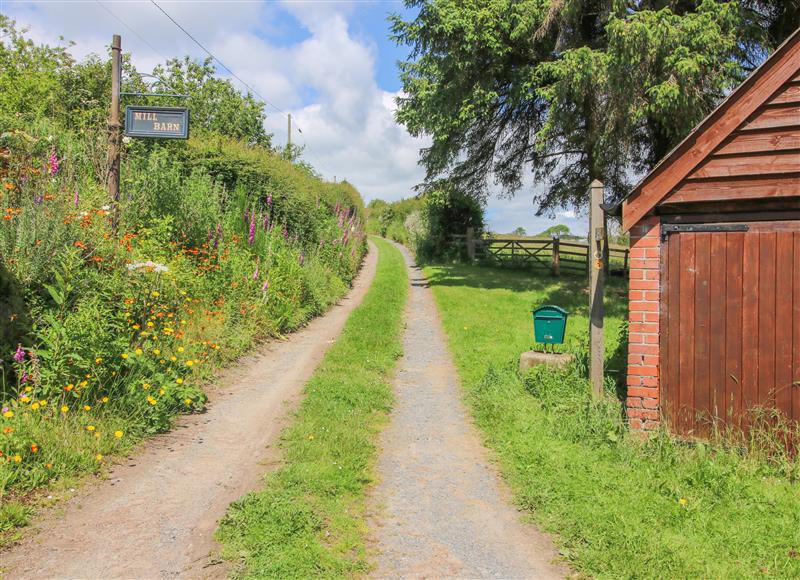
715	262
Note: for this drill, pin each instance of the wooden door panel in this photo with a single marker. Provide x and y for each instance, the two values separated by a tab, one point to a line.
731	324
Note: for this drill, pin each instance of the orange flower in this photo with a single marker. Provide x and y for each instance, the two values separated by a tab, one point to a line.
79	244
34	448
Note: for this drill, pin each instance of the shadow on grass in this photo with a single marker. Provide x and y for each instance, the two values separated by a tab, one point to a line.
15	326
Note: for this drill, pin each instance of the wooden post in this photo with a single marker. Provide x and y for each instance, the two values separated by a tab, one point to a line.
471	244
625	260
596	289
114	132
556	256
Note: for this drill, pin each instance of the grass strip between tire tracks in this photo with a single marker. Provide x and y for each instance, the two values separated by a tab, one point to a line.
308	520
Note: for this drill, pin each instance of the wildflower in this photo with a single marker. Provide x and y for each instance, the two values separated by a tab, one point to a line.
34	448
90	427
98	360
24	378
25	399
17	458
189	363
266	222
173	358
76	199
48	466
265	287
151	400
64	408
19	355
8	430
150	324
161	391
35	406
683	501
302	258
43	402
156	351
179	381
84	383
187	401
180	349
155	294
118	434
255	274
251	234
69	387
138	351
124	355
99	457
52	163
269	201
104	400
87	408
146	386
8	414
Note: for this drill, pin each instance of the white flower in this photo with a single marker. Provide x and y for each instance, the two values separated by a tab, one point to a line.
148	264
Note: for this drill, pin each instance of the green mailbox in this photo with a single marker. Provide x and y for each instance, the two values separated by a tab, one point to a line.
549	324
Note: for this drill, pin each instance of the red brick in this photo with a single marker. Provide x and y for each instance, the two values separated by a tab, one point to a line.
650	360
635	359
634	402
636	424
633	381
641	327
643	348
650	425
636	413
651	317
653	253
649	381
645	263
654	295
643	392
648	242
644	305
650	403
643	371
642	284
637	316
636	295
652	274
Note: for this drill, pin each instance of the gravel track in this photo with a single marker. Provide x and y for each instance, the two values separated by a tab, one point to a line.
440	509
156	514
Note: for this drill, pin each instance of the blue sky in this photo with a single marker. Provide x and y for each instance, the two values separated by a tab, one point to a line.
330	64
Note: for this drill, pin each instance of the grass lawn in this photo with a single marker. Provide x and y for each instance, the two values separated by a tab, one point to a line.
617	505
308	520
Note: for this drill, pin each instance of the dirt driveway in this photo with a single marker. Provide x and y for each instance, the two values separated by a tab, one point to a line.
156	515
440	508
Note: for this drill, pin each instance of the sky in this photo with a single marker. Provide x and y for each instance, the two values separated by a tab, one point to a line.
330	64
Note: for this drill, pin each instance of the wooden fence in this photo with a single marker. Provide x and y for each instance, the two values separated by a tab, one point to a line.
554	253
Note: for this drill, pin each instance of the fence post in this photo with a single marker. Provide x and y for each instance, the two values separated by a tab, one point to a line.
556	256
625	260
471	244
595	255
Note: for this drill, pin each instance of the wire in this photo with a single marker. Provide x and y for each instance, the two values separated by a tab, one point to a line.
126	25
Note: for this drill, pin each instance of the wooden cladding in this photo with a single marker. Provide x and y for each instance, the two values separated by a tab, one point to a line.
730	320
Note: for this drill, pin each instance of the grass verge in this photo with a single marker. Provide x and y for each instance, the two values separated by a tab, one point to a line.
618	505
308	519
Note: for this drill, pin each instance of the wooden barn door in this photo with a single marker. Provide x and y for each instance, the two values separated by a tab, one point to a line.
731	311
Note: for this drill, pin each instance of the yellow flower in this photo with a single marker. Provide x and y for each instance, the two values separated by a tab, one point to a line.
150	324
183	292
156	351
90	427
84	383
173	358
124	355
87	408
683	501
25	399
64	408
35	406
161	391
43	402
180	349
179	381
189	363
138	351
104	400
151	400
8	414
18	458
162	361
28	389
136	327
99	457
98	360
155	294
146	386
216	347
188	401
118	434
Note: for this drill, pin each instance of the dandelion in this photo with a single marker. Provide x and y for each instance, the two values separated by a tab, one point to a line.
180	349
87	408
99	457
138	351
173	358
18	458
156	351
124	355
189	363
155	294
179	381
98	360
43	402
90	427
118	434
19	355
64	408
151	400
35	406
104	400
683	501
187	401
146	386
8	414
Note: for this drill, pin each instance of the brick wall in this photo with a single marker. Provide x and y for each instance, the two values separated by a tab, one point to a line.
643	341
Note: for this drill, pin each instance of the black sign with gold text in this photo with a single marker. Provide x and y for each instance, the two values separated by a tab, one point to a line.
157	122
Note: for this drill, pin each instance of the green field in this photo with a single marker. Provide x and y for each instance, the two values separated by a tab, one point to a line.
308	520
617	505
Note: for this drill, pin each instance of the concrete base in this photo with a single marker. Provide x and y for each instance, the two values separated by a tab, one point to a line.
530	359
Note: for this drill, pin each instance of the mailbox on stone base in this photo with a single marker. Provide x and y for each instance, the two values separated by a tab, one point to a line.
549	324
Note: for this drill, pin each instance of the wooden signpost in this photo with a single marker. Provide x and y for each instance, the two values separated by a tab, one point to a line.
157	122
596	288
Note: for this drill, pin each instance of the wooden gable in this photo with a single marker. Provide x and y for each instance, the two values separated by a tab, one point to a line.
747	149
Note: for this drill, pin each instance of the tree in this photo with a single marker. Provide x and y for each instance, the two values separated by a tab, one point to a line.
559	230
520	231
570	90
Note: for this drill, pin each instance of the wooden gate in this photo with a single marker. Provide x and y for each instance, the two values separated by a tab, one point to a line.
731	314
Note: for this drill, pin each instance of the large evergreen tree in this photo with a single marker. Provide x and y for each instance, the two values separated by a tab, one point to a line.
571	90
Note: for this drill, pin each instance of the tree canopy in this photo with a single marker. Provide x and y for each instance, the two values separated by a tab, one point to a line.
570	90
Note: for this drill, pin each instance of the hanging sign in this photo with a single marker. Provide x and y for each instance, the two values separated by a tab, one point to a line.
157	122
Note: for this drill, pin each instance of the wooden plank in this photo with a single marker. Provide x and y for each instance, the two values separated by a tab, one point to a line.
702	311
774	140
741	104
716	324
737	189
784	260
749	165
773	118
790	93
673	329
766	319
734	257
665	312
750	326
685	408
796	327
